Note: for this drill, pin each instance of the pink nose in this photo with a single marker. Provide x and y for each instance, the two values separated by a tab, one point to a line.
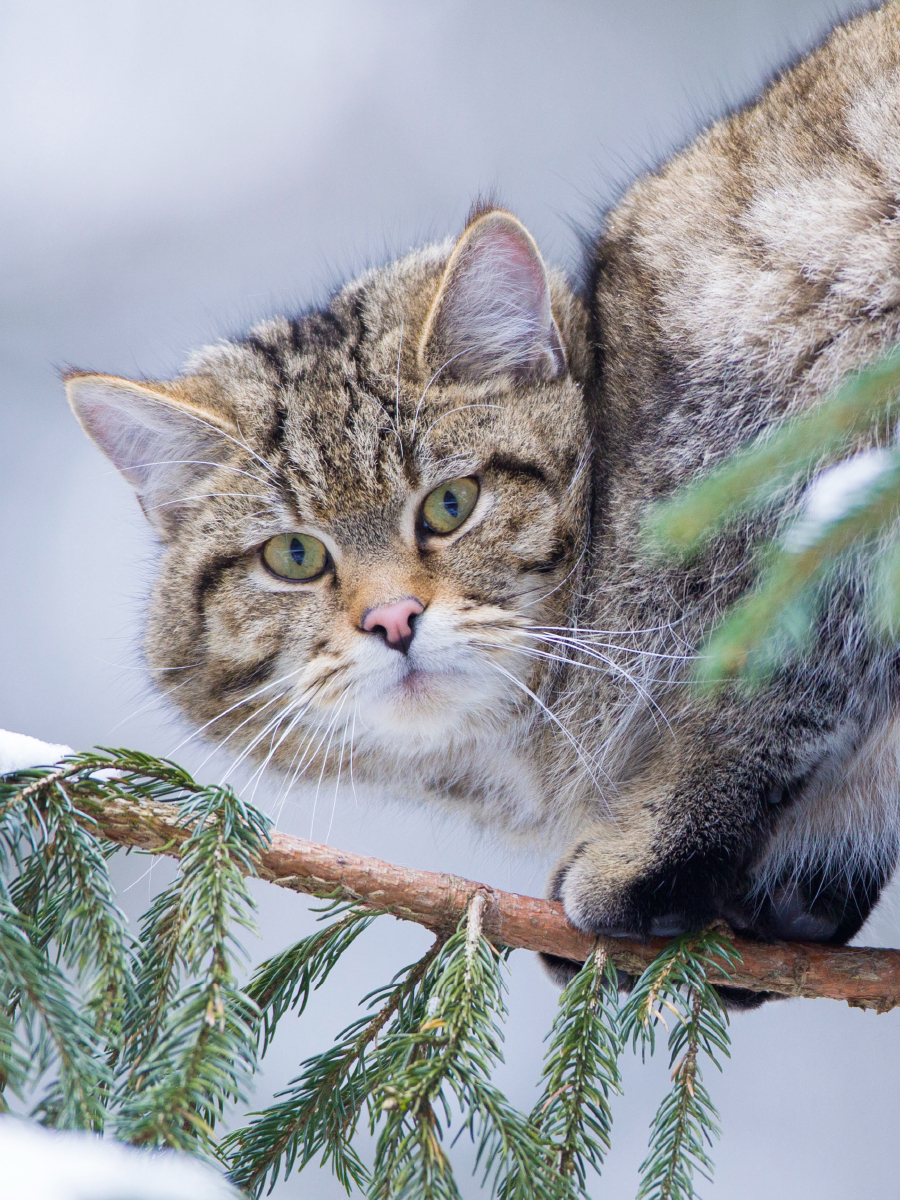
394	621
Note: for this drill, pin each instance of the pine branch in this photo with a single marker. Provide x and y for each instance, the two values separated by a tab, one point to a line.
581	1072
319	1112
686	1122
863	977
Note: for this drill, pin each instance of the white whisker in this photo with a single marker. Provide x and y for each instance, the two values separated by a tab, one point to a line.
329	733
397	397
238	704
425	393
583	757
205	496
272	724
337	784
460	408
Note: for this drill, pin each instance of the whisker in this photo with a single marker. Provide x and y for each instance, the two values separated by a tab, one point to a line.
352	736
272	724
305	746
460	408
274	746
196	462
583	757
246	700
609	665
305	701
425	393
283	790
397	398
337	784
593	650
329	732
205	496
563	581
149	704
250	716
291	775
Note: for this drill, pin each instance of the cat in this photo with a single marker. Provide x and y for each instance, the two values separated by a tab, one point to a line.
409	524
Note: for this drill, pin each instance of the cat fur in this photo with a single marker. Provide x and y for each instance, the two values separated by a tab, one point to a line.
545	690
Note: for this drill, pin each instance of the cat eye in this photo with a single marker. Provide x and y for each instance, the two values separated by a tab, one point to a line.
447	506
295	556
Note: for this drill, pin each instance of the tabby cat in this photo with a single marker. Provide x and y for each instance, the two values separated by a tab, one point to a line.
408	524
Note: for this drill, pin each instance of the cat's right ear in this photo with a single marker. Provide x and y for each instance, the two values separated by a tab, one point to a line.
162	441
492	314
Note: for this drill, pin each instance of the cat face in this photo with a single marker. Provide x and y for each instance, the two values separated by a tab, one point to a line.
365	509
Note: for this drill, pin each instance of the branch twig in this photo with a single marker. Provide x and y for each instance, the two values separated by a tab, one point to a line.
865	978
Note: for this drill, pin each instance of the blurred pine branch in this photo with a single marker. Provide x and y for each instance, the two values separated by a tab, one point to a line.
845	518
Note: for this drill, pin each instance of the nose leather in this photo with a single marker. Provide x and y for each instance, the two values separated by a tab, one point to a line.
394	621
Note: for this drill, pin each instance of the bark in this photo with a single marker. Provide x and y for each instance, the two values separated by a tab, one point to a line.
864	977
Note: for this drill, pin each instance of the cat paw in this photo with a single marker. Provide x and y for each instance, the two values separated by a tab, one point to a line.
609	892
597	889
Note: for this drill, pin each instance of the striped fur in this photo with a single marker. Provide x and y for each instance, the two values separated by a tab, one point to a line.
545	692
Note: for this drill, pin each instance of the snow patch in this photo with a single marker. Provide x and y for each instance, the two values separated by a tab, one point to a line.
18	751
43	1164
835	493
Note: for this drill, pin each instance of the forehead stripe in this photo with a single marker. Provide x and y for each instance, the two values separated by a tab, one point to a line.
514	466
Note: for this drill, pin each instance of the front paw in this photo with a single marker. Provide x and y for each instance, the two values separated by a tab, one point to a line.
610	891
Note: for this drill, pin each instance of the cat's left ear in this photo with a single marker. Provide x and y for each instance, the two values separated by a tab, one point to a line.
492	313
161	436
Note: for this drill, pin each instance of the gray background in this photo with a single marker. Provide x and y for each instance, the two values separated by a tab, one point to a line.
174	170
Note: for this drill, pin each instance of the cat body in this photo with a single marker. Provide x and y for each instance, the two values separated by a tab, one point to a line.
522	655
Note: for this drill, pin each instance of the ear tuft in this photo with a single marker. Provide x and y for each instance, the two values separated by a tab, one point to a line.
492	313
161	441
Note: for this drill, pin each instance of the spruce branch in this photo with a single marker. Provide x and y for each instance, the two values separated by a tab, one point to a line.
739	644
38	993
581	1072
754	475
686	1121
450	1057
284	982
858	525
200	1051
863	977
319	1112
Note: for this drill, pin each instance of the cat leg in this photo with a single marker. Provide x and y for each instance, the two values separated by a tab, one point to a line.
666	863
671	855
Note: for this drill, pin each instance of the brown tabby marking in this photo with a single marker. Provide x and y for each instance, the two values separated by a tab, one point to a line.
544	685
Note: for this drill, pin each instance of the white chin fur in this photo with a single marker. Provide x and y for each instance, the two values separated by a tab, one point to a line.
428	709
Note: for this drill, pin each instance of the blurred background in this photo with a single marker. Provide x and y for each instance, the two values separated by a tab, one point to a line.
174	171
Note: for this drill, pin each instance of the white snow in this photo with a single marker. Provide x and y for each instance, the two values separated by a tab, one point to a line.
42	1164
834	493
19	751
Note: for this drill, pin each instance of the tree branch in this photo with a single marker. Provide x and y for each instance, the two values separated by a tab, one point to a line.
865	978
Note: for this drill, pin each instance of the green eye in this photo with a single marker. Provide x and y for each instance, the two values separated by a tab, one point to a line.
447	506
295	556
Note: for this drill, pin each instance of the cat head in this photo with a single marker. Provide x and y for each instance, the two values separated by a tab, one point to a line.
364	509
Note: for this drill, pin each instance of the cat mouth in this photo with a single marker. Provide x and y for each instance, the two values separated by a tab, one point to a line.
416	682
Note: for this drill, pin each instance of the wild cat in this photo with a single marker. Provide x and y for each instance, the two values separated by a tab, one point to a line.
406	527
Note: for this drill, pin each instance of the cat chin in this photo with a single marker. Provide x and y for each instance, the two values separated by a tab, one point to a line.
427	711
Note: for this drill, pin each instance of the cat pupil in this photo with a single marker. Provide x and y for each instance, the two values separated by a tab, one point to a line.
451	503
298	552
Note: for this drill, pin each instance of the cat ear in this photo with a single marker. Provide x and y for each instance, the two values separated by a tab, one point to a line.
162	441
492	312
